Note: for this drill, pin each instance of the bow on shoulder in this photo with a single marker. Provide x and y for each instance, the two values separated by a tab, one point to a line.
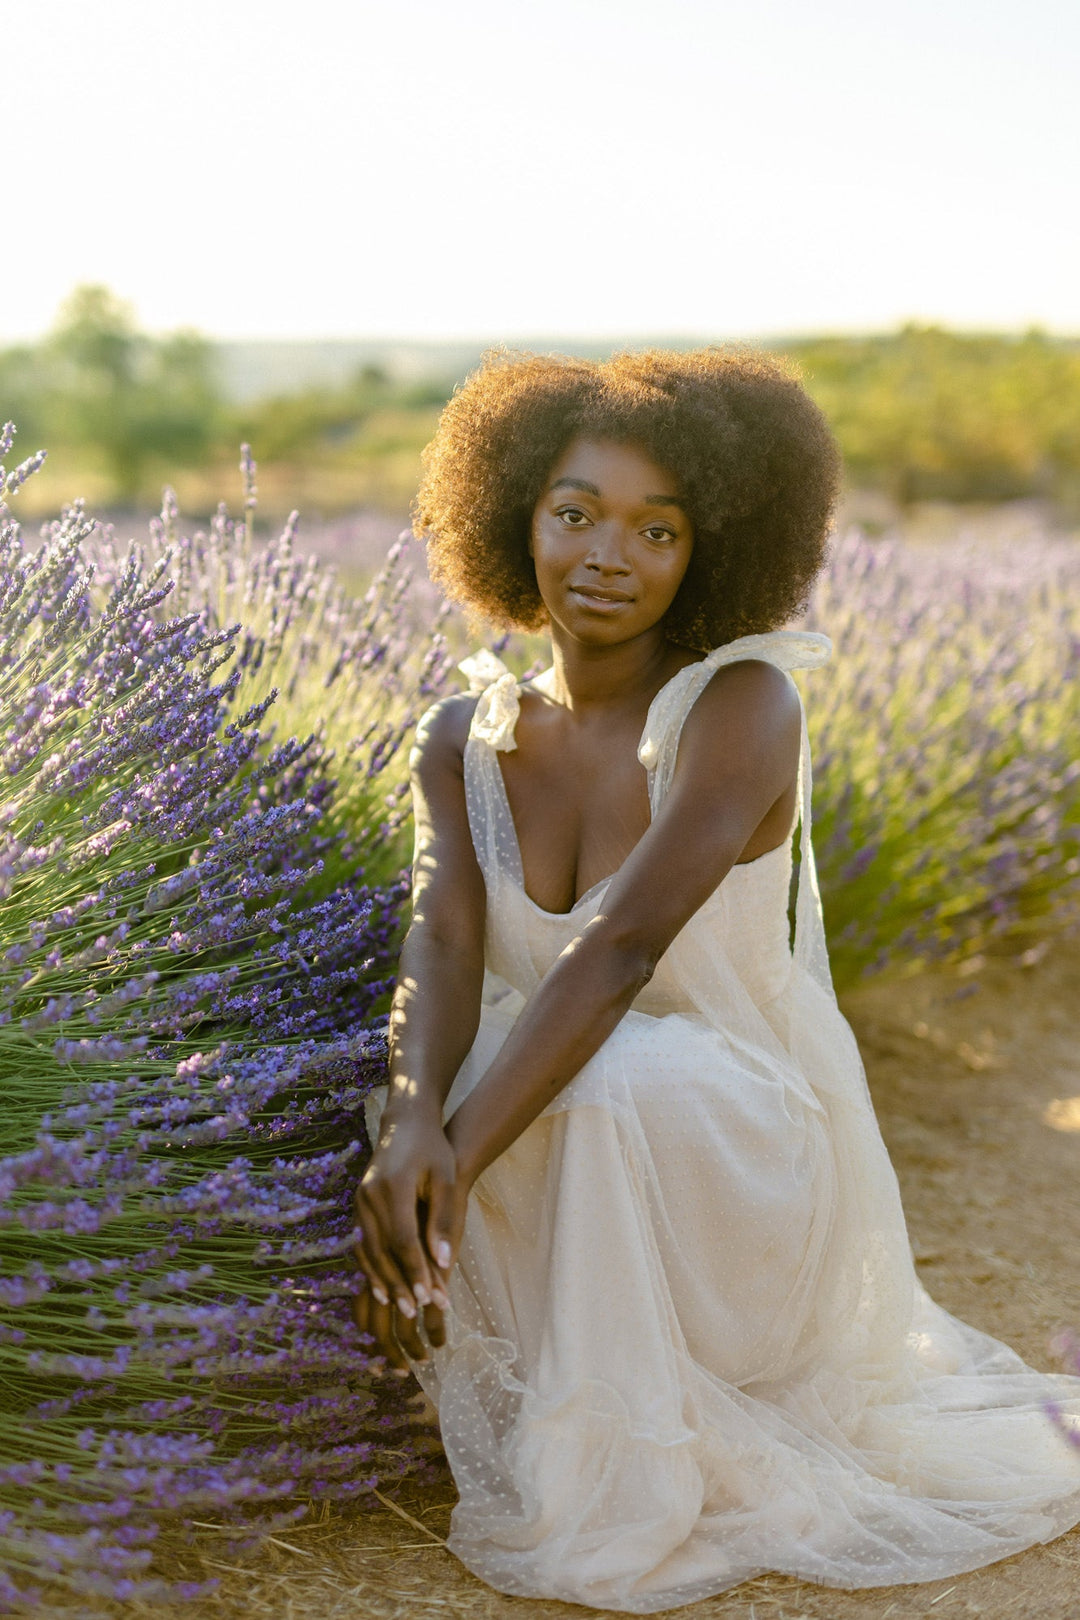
500	703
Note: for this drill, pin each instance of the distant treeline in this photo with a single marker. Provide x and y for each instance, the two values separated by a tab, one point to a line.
921	413
928	414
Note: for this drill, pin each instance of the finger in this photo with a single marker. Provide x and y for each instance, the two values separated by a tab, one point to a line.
435	1326
366	1261
365	1302
379	1262
408	1334
361	1304
440	1233
373	1216
452	1226
382	1324
364	1252
410	1259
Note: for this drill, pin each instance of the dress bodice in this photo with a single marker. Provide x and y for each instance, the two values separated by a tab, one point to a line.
747	914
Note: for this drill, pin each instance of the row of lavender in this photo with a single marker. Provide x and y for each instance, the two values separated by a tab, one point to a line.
200	917
944	731
202	896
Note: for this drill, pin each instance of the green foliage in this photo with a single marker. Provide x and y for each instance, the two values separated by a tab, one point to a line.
105	385
287	426
921	413
22	393
927	414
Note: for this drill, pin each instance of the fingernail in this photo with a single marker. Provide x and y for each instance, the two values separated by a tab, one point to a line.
380	1294
422	1295
439	1298
405	1305
401	1372
442	1253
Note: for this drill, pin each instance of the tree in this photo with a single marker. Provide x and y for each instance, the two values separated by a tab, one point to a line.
131	396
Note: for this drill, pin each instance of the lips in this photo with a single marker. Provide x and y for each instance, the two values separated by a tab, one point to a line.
596	593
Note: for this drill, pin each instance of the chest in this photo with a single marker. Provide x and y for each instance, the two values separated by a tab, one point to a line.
579	803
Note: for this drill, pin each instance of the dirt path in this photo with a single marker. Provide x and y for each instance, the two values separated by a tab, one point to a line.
965	1072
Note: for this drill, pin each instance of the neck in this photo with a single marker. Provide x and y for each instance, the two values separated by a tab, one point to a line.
584	677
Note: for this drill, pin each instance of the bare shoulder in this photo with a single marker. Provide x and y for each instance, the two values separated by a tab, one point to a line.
442	733
445	856
751	707
448	888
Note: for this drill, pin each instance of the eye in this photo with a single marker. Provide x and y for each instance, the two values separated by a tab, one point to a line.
658	532
573	516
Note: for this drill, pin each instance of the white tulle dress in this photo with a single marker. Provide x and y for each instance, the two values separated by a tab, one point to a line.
686	1342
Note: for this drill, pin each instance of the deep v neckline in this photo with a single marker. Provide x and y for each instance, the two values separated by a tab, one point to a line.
602	883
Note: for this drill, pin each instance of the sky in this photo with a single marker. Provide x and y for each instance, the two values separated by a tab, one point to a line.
505	168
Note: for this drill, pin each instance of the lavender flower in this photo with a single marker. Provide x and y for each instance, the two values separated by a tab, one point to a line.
201	852
946	794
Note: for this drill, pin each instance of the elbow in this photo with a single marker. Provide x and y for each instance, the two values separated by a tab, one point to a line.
450	933
444	954
633	968
640	967
630	959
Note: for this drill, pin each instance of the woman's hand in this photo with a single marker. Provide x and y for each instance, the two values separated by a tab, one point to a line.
396	1335
410	1206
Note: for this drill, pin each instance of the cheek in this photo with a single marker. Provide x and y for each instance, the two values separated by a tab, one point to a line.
547	553
541	560
539	541
669	571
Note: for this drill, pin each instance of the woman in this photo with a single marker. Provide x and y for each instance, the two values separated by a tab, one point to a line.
629	1217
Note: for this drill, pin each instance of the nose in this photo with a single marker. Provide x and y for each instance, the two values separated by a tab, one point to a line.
607	555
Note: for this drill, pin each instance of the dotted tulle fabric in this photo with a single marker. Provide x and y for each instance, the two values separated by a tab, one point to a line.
686	1342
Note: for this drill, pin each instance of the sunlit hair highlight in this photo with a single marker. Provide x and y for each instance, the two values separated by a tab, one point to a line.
752	453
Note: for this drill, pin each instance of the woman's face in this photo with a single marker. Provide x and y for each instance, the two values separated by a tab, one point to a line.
610	540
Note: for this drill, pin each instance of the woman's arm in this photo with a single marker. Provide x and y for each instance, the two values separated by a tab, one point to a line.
436	1006
406	1202
738	753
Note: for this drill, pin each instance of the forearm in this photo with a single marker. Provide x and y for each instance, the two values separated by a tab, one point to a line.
433	1020
566	1021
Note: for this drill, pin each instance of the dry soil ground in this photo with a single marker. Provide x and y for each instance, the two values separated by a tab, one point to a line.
971	1075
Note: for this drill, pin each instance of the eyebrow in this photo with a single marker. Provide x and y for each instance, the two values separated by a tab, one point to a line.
591	489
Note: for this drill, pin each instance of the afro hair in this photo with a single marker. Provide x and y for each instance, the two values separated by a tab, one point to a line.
756	463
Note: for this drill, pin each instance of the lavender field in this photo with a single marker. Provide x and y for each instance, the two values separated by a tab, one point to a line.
947	804
202	844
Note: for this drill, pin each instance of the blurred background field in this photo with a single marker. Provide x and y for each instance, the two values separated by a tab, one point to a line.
925	416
